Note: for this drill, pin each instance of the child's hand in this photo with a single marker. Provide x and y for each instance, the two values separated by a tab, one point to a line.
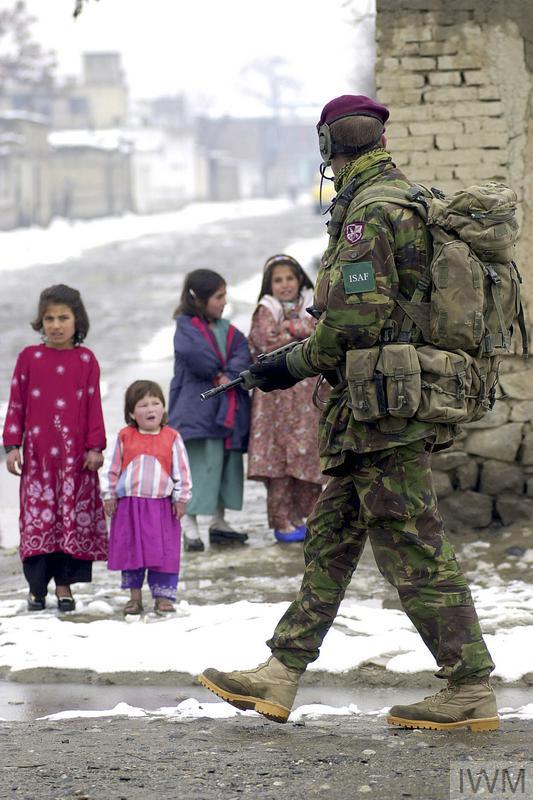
221	379
110	506
14	462
179	508
93	460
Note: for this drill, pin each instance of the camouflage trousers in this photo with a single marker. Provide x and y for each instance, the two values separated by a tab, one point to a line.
389	497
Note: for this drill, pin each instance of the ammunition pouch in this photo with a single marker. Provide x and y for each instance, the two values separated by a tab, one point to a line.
425	383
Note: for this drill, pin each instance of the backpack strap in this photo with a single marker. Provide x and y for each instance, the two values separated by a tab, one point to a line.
415	311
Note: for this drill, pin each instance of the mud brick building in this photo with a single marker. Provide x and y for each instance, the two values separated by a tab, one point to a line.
458	78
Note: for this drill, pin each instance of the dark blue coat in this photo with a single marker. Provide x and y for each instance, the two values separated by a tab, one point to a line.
197	360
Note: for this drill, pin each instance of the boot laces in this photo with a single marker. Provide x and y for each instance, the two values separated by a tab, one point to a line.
442	696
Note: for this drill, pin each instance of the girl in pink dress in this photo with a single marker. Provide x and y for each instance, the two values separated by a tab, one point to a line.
146	490
283	447
55	416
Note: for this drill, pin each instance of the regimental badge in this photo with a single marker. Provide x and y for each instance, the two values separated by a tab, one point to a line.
354	232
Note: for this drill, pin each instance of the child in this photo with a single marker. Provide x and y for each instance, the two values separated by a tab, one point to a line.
146	490
283	449
55	414
209	351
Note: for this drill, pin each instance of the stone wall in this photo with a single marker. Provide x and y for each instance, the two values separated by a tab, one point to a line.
457	76
487	476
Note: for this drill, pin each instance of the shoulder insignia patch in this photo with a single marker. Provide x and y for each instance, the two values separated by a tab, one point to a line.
354	232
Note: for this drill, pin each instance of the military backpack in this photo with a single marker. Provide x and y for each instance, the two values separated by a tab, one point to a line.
441	362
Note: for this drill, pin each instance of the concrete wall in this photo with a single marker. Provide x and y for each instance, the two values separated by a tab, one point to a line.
457	76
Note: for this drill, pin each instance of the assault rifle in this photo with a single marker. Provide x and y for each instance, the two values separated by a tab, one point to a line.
246	379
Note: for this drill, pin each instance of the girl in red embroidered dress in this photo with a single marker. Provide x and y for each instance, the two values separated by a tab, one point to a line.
55	415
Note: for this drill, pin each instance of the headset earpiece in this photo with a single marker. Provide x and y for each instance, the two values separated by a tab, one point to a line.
325	143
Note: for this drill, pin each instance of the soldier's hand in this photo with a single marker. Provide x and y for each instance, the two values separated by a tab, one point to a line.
273	373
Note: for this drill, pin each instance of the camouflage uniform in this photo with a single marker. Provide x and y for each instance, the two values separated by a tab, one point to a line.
381	484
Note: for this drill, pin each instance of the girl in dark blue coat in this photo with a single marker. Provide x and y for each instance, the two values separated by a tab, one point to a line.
209	351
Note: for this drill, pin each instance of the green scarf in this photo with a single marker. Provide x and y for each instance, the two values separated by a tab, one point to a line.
367	165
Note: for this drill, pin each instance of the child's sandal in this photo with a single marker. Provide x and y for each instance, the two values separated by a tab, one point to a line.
133	607
163	606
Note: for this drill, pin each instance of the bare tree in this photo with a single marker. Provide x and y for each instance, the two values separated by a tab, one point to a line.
22	60
268	81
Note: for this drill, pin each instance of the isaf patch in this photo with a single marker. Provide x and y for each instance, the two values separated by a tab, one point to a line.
354	231
358	277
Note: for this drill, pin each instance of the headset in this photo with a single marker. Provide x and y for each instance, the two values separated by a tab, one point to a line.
329	147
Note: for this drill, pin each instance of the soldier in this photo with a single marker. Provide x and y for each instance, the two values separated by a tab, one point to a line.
380	482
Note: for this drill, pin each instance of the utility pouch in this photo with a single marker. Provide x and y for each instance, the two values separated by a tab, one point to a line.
447	391
365	386
398	363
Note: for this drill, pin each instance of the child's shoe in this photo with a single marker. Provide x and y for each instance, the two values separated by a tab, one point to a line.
163	605
66	603
132	608
226	536
36	603
193	545
297	535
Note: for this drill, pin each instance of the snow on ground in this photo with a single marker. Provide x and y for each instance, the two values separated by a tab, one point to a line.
62	240
192	708
230	636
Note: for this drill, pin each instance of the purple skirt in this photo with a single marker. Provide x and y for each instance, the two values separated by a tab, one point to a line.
145	533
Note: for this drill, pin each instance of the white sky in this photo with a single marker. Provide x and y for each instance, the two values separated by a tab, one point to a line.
170	46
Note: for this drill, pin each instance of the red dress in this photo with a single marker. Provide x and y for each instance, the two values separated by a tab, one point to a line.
55	412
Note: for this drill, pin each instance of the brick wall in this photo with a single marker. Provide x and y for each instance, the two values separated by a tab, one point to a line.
457	76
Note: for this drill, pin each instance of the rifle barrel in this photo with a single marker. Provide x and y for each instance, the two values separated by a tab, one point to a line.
222	388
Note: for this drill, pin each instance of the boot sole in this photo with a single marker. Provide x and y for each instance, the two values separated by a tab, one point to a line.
484	724
248	703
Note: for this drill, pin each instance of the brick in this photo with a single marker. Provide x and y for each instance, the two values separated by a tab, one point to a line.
489	124
457	157
434	127
482	139
445	78
481	172
457	34
413	143
397	130
476	77
415	33
410	80
444	173
397	48
445	18
484	108
445	48
404	114
444	142
419	5
387	63
406	97
419	158
460	61
425	174
402	158
489	92
422	64
447	94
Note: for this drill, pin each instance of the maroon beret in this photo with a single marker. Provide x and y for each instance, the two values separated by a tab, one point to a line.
352	105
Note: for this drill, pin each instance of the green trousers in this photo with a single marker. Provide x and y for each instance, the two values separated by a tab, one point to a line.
389	497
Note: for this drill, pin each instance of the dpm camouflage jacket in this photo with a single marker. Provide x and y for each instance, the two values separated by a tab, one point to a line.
373	254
